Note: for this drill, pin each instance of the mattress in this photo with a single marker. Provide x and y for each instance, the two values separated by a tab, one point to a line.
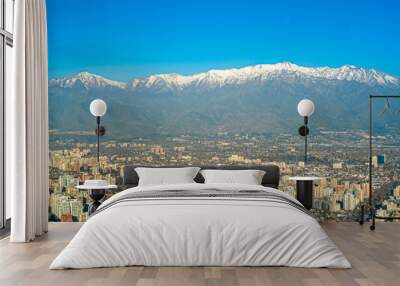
201	225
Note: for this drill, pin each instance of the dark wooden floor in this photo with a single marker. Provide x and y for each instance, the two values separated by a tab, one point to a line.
375	257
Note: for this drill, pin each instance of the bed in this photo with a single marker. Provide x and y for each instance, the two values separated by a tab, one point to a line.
199	224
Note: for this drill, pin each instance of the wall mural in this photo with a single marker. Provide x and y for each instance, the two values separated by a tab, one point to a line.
218	95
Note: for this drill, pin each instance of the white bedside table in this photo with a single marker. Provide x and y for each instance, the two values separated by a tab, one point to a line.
97	190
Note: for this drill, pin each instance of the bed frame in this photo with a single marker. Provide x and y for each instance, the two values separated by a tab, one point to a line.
270	179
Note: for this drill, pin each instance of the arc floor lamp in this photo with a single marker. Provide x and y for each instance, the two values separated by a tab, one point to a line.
372	212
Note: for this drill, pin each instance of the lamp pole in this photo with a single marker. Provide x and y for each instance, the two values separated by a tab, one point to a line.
305	139
98	139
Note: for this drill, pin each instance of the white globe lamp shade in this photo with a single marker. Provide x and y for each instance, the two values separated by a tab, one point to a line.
305	107
98	107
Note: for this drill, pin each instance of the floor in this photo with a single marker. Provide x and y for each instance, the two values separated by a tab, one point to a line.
375	257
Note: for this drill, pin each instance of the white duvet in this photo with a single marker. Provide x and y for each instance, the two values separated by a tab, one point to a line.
193	231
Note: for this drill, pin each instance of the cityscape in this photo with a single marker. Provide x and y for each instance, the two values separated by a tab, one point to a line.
339	159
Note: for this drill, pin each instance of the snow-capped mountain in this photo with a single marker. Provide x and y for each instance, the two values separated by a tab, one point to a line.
264	72
88	80
219	78
254	99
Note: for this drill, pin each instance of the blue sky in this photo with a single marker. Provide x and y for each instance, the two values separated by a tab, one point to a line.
125	39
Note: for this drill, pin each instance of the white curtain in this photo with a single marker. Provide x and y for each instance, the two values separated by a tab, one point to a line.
27	124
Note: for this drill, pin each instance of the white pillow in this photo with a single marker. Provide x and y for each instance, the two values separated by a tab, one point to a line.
248	177
165	176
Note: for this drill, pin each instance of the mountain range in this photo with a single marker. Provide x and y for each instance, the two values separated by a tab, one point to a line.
254	99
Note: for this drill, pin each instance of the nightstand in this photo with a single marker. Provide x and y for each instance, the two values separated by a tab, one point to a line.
304	190
96	190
